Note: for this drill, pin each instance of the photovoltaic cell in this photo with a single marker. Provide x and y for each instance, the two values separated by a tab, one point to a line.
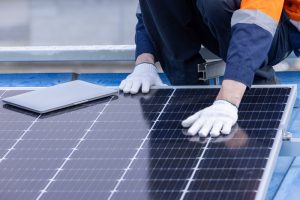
133	147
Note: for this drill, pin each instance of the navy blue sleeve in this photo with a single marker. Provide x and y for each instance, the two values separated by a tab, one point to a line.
248	49
295	40
142	40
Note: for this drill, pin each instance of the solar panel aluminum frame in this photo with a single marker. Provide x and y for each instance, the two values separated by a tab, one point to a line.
277	142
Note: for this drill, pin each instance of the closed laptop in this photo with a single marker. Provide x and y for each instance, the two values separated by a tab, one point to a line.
59	96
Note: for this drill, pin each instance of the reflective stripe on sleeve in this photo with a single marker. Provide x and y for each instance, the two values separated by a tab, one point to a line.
296	24
138	10
254	17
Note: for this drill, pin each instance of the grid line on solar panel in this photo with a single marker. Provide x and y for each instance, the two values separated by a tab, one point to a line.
51	180
2	93
19	139
137	152
194	171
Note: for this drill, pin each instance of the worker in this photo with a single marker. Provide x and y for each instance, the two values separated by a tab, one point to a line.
249	35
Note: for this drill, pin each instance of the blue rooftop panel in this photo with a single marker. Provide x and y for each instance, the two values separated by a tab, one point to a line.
33	80
290	186
282	166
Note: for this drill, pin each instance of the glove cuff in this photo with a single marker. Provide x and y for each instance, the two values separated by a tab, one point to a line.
223	101
145	67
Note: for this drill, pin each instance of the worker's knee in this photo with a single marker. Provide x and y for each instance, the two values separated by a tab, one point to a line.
214	10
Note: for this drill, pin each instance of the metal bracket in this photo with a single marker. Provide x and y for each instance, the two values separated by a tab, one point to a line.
211	70
290	145
287	136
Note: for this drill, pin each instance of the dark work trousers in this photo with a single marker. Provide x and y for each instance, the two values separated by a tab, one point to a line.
178	28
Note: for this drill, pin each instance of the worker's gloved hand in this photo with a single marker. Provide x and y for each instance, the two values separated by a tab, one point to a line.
143	76
215	119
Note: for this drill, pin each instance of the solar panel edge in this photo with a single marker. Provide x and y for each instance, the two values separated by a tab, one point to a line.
266	178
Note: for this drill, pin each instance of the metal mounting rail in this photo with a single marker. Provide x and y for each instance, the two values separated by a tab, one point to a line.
211	70
75	53
68	53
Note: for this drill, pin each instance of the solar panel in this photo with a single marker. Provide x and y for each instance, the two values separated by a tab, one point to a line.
133	147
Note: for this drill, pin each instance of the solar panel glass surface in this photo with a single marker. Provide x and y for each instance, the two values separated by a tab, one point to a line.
133	147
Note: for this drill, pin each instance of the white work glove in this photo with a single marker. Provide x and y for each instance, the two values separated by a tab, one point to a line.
215	119
143	76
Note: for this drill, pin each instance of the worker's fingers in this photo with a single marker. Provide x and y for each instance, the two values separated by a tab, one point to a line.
226	128
136	85
122	85
190	120
205	128
194	129
216	129
128	86
146	86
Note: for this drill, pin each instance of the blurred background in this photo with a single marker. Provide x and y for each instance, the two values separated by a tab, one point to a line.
30	23
67	22
51	23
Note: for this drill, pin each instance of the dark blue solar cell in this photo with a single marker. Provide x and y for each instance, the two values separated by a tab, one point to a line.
159	173
224	195
224	163
158	163
167	134
239	152
241	142
223	185
266	124
168	125
260	115
257	133
169	153
147	195
233	174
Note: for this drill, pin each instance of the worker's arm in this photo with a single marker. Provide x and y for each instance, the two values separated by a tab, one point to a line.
232	91
142	40
145	58
145	73
253	27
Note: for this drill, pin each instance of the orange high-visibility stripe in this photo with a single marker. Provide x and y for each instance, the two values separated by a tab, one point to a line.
272	8
292	8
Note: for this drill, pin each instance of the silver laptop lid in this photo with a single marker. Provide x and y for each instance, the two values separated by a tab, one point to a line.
59	96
